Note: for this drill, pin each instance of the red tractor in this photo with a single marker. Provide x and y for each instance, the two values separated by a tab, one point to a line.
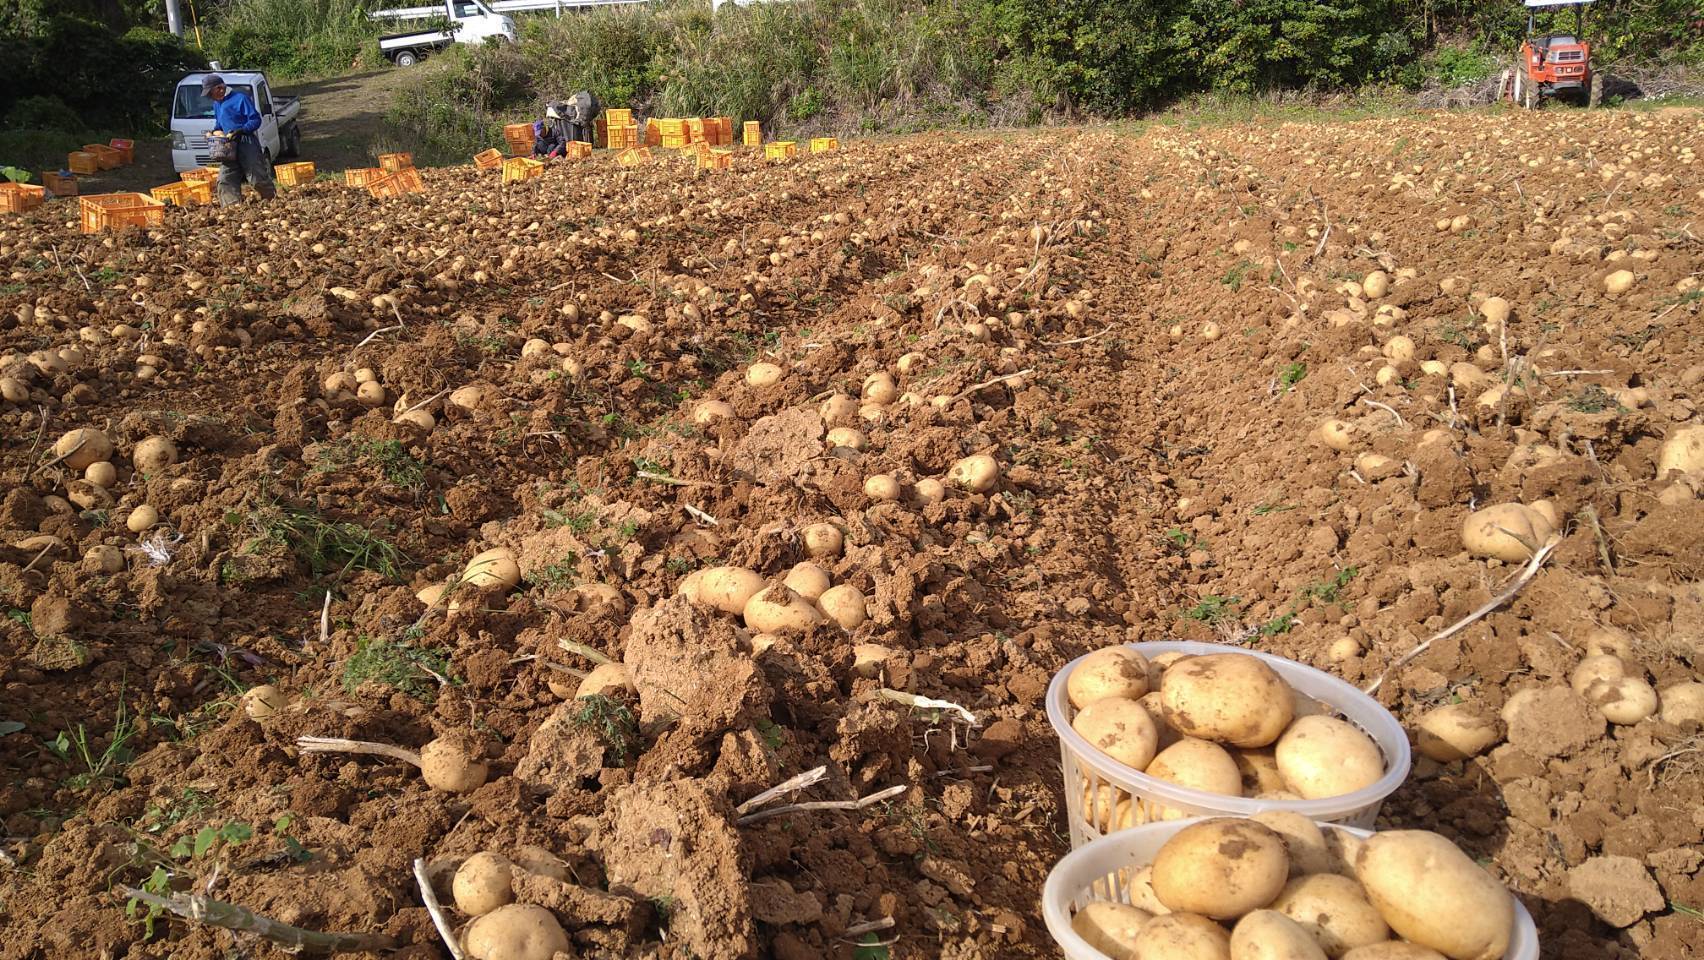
1555	64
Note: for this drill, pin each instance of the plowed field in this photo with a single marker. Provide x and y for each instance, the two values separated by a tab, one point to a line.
1145	329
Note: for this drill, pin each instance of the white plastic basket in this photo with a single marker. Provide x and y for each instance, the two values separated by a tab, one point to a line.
1096	784
1099	871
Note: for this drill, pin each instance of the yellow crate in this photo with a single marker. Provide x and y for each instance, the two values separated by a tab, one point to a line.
671	127
82	162
491	159
577	150
406	180
361	176
113	211
715	159
780	150
618	116
695	129
392	162
295	174
672	142
207	174
170	193
185	193
753	133
517	169
633	156
21	197
824	144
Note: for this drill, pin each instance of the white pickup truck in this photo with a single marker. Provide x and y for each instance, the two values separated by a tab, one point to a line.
192	118
468	21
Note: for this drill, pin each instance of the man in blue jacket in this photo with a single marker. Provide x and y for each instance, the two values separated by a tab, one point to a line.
234	116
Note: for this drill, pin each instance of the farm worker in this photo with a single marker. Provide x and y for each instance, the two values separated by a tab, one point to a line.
582	115
235	117
549	139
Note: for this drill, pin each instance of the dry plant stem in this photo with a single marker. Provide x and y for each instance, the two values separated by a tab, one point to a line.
56	461
700	515
31	565
1067	343
229	916
868	926
671	481
1385	408
420	404
989	383
858	804
368	338
430	899
1590	513
1525	577
588	652
789	785
336	745
325	618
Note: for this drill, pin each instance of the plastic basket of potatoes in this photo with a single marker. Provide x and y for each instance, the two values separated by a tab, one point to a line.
1161	731
1279	887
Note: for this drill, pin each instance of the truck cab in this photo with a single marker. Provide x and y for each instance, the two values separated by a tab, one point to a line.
192	118
464	21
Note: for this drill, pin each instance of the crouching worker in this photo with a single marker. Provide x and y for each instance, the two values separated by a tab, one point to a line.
550	139
235	144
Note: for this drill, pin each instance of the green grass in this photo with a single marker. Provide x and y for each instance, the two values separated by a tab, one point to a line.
1330	591
99	765
1592	399
562	573
410	670
612	723
1292	375
337	548
1212	609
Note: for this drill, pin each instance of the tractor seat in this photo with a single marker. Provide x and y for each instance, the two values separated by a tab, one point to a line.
1554	40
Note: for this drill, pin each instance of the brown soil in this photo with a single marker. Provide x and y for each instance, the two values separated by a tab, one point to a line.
1153	486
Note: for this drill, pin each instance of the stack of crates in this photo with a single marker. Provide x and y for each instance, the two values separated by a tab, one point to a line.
21	197
724	127
491	159
653	133
618	117
824	144
392	162
673	133
753	133
106	157
361	176
695	131
59	184
517	169
209	174
620	136
518	137
295	174
780	150
113	211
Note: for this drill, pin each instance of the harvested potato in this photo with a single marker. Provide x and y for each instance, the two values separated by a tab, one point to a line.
142	518
102	474
1227	697
710	411
518	931
929	491
262	702
879	388
1608	640
779	610
838	409
849	437
1108	672
1682	451
1199	765
1683	703
1221	868
495	566
1303	841
762	374
103	558
1325	757
1601	666
1456	731
727	589
1110	927
1433	894
81	447
1510	532
1337	435
1269	935
1182	936
1259	769
446	765
823	540
1334	910
844	604
1623	700
869	658
977	473
483	883
807	580
1119	728
607	680
882	488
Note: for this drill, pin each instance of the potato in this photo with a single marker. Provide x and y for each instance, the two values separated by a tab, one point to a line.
1511	532
1326	757
1152	703
1682	451
1269	935
823	540
419	419
1303	841
102	474
371	394
1618	282
1107	808
727	589
607	680
14	390
1345	847
710	411
263	701
844	604
102	558
142	518
868	659
1334	910
762	374
882	488
518	931
1456	731
1141	890
1623	700
1232	698
1108	672
929	491
1610	640
849	437
1199	765
445	765
1392	950
879	388
1434	895
494	566
1182	936
1110	927
977	473
1119	728
482	884
779	610
1337	435
838	409
807	580
1259	770
81	447
1683	703
1376	284
1221	868
1601	666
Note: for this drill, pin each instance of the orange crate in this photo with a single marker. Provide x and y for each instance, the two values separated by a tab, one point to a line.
82	162
406	180
716	160
125	148
207	174
21	197
58	185
577	150
515	131
653	133
491	159
753	133
171	193
185	193
518	148
295	174
780	150
724	129
517	169
113	211
107	157
392	162
361	176
633	156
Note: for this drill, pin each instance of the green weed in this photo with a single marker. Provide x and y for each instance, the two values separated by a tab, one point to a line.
1292	375
612	723
411	670
1212	609
330	547
99	764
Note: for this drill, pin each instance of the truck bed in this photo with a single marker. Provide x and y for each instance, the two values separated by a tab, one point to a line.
411	38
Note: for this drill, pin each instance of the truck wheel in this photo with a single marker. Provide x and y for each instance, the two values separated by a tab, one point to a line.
407	58
291	147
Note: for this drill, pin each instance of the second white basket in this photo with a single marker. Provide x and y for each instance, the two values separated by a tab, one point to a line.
1102	795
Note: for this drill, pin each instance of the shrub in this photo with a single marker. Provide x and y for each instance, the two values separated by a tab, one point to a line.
295	38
